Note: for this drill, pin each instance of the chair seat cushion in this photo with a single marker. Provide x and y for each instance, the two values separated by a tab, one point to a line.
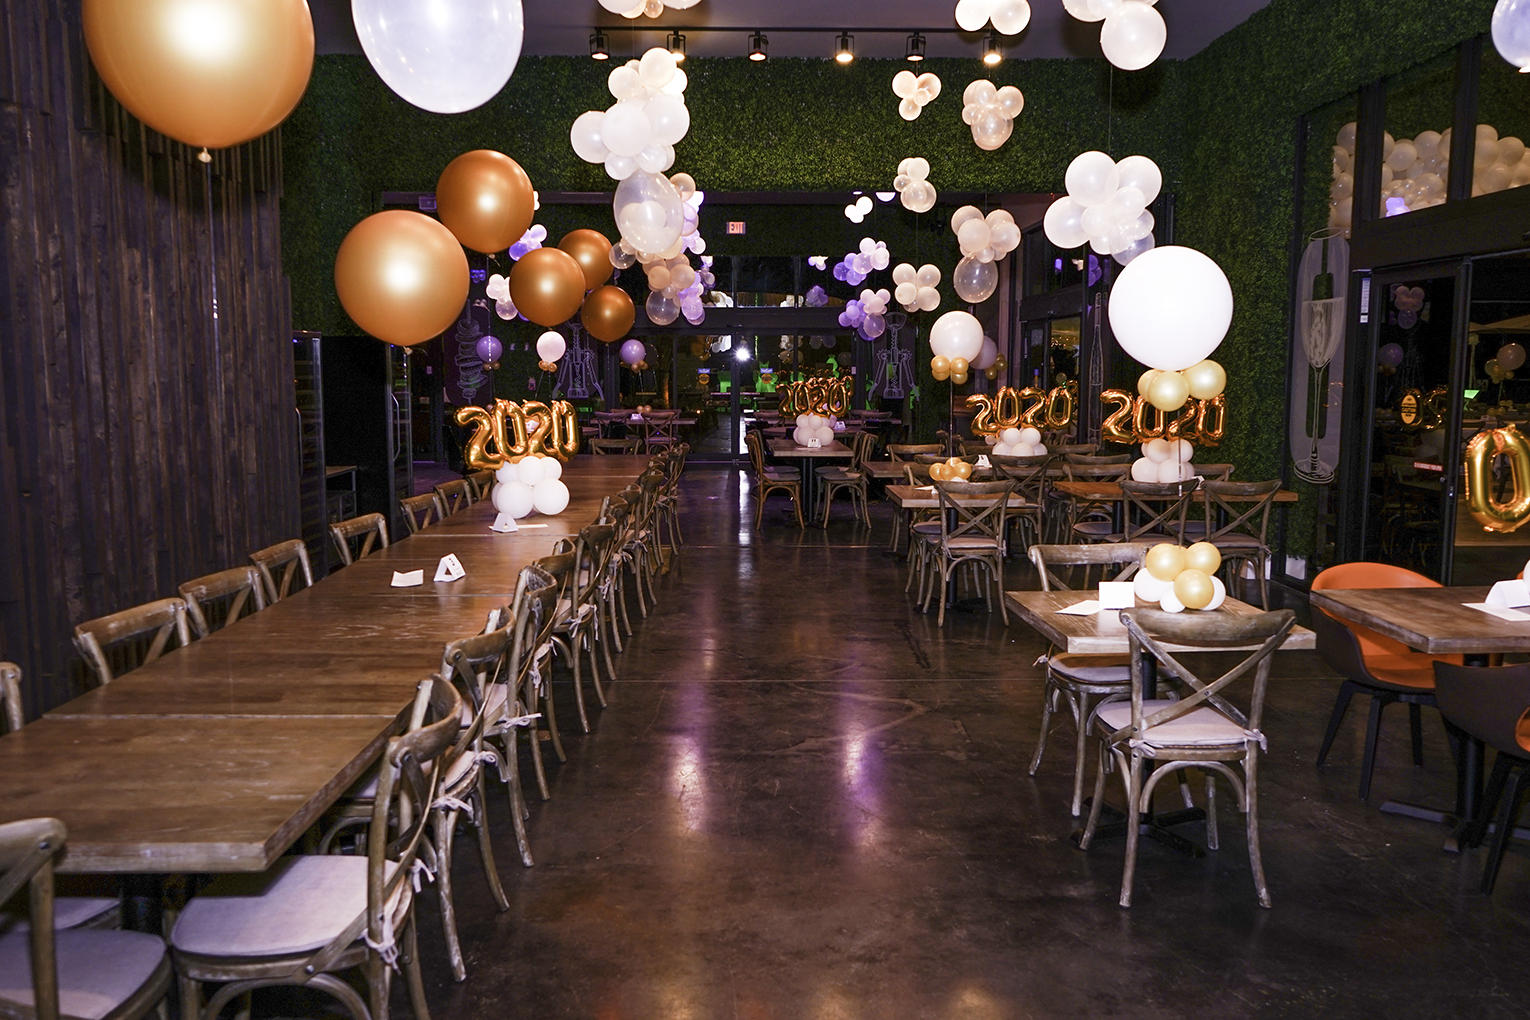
781	475
1405	670
1200	727
972	543
1093	669
1097	529
301	904
68	912
97	970
925	528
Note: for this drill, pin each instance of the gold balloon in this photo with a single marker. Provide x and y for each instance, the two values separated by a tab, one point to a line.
959	378
1203	556
485	199
547	286
1193	588
401	276
1168	391
593	253
608	313
940	472
940	367
959	366
1206	379
1145	381
1164	561
1494	515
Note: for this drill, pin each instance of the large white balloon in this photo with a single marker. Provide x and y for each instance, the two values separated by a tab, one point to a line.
585	137
649	212
551	346
1141	173
1170	307
550	496
514	499
1511	31
1092	177
957	335
1063	223
446	56
1133	36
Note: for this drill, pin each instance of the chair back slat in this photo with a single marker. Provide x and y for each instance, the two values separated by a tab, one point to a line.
1245	506
291	558
370	528
10	697
985	520
454	495
216	600
1126	555
1161	507
423	510
153	622
908	451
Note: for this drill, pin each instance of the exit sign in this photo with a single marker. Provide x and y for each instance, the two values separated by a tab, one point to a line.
735	226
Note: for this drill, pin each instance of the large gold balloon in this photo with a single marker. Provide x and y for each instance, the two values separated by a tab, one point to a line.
608	313
1203	556
486	200
547	286
1164	561
1193	588
402	276
1485	447
593	253
212	73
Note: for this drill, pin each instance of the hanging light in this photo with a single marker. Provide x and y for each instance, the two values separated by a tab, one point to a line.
676	46
992	54
759	47
600	46
915	51
844	50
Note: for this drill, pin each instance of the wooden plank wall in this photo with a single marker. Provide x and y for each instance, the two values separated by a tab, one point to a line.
146	387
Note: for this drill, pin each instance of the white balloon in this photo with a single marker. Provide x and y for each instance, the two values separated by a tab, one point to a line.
1171	307
1080	10
1010	436
971	15
516	501
1144	470
1147	587
903	273
669	118
585	137
959	335
626	130
550	496
448	56
1218	594
1157	450
623	82
1011	16
1030	436
928	275
929	299
551	345
1511	31
656	159
987	356
532	470
619	168
1092	177
656	68
1169	602
507	473
963	215
1141	173
1064	224
649	212
904	83
1170	471
1133	36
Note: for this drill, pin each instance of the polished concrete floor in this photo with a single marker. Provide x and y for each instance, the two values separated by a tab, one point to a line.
806	801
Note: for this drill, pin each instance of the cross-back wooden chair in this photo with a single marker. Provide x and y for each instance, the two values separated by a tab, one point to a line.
214	601
289	557
580	617
308	919
120	635
48	973
421	511
370	529
537	591
1030	478
1155	511
661	430
1203	729
1243	508
454	495
614	447
898	452
10	696
768	479
482	483
1081	681
850	479
968	535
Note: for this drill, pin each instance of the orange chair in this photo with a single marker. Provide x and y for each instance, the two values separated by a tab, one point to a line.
1374	664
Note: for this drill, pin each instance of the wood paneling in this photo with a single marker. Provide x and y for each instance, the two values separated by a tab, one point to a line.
146	379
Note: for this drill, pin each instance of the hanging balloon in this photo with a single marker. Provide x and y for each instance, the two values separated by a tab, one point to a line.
210	73
447	56
593	253
632	353
1511	356
547	286
975	280
551	346
649	212
401	276
485	199
608	313
1171	307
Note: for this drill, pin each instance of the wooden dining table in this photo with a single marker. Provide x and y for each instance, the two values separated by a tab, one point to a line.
218	756
806	456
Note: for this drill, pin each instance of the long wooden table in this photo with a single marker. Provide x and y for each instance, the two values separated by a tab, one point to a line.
219	755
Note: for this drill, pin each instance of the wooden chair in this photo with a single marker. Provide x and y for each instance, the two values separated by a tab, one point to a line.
291	558
908	451
1030	475
616	447
482	483
1203	729
124	632
1080	679
1244	537
968	535
1153	511
454	495
771	479
47	973
661	430
236	588
579	610
309	918
421	511
851	479
537	592
369	528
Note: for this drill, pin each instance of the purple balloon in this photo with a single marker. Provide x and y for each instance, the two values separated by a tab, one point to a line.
489	349
1407	319
845	320
1391	355
633	352
817	297
875	326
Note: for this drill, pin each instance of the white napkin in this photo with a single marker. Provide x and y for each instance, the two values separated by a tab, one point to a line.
1509	593
408	578
1502	612
1088	607
450	568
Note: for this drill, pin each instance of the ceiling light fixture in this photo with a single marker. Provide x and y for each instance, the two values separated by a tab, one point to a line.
915	51
759	47
676	46
992	54
844	50
600	46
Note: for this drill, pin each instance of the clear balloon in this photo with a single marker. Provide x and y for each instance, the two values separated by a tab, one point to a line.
974	280
649	212
661	311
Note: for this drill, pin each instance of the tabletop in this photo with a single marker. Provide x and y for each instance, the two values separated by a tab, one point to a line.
786	448
1104	633
1432	620
1112	491
922	497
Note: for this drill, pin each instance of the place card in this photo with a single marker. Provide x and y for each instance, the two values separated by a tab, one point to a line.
1509	593
408	578
1118	595
450	568
1502	612
1088	607
983	461
504	523
814	443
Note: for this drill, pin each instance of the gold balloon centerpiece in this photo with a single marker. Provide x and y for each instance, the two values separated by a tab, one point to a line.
1178	579
401	276
511	431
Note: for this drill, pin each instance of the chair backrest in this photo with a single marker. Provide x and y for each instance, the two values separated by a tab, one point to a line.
1214	472
10	697
1245	506
28	849
535	613
291	557
1090	460
1127	555
370	528
455	495
422	511
1152	630
980	520
216	600
861	448
1489	702
606	447
1076	449
975	447
1160	507
481	482
1365	574
154	622
756	453
474	664
907	451
1028	473
662	426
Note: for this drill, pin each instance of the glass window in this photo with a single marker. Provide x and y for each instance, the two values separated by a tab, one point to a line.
1328	170
1420	104
1503	119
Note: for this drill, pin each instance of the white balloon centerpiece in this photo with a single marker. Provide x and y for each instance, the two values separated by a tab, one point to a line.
814	426
1164	461
914	289
1178	579
1013	442
1106	205
532	483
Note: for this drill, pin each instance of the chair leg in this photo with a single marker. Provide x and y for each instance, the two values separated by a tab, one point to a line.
413	979
550	716
590	641
1372	737
539	768
509	746
1133	833
1340	706
1049	695
1213	840
1087	836
1081	724
191	998
1505	830
1478	830
797	506
1416	725
446	825
1251	807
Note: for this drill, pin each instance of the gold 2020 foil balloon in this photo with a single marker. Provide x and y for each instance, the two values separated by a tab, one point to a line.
212	73
547	286
486	200
402	276
593	253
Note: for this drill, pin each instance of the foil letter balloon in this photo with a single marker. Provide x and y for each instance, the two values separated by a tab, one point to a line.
1494	515
401	276
445	56
485	199
211	73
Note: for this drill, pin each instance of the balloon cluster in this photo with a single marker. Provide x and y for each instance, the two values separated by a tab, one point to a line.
651	8
865	315
915	192
952	469
1165	461
498	291
915	92
1168	391
814	426
991	112
1133	34
1106	205
1510	357
1391	356
1511	32
1015	442
550	347
1170	309
915	289
659	219
857	211
534	482
1408	301
816	297
956	340
634	355
1179	579
983	241
640	131
530	241
675	287
857	265
1009	17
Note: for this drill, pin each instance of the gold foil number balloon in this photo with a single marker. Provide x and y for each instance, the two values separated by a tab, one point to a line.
516	430
1492	514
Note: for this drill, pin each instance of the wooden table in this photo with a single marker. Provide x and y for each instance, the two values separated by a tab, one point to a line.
785	449
219	755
